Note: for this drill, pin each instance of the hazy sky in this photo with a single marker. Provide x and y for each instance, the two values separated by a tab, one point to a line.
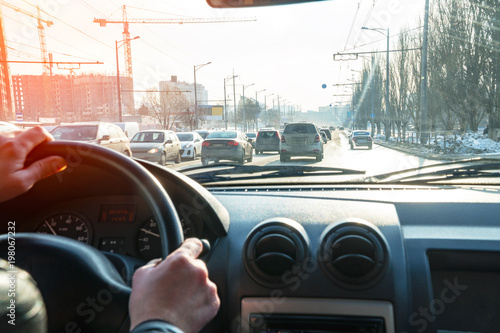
288	51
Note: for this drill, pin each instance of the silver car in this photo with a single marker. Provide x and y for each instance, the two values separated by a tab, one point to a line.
100	133
360	139
301	139
156	146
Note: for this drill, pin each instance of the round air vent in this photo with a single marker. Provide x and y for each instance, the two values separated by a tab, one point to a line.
353	254
275	251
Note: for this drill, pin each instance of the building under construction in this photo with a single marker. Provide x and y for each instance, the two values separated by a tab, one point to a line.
6	111
73	98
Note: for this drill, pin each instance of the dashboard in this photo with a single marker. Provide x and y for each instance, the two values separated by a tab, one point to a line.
299	258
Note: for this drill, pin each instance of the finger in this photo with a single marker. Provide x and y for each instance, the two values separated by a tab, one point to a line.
32	137
191	247
11	134
153	263
42	168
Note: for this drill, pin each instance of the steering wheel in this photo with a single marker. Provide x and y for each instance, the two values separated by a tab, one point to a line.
80	287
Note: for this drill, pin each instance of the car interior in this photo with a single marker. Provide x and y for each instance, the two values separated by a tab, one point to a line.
311	249
314	257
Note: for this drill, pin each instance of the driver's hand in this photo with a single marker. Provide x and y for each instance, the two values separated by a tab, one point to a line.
14	147
176	290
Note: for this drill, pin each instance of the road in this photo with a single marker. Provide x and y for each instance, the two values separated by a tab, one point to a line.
338	154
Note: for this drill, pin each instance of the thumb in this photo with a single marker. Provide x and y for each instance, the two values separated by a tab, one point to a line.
43	168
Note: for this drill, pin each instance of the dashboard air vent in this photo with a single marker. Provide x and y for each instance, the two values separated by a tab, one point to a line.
354	254
275	251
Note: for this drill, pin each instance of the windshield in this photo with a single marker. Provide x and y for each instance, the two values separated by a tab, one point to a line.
421	89
221	135
76	133
185	137
148	137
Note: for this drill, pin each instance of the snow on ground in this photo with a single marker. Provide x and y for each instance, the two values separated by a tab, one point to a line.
471	143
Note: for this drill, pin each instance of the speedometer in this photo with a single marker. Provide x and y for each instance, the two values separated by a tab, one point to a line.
148	238
68	225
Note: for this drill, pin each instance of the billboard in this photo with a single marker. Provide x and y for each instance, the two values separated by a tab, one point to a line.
211	112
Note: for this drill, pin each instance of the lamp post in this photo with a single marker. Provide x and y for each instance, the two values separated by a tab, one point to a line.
232	77
244	119
123	41
387	106
265	107
256	102
195	68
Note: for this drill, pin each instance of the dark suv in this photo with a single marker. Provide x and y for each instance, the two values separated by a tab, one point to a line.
267	140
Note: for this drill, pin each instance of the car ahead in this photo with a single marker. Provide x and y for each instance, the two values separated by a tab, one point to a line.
251	136
101	133
327	133
324	138
7	127
157	146
226	145
360	139
190	144
267	140
203	133
129	128
301	139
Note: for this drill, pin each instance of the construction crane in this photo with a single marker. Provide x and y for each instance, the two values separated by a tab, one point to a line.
41	32
126	34
46	59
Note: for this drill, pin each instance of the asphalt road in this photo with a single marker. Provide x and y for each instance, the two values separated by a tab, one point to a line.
337	153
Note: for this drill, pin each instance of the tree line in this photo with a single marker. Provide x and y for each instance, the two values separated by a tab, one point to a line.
463	74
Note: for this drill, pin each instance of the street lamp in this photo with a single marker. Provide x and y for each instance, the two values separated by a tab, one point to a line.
265	107
244	119
256	102
232	77
387	106
195	68
123	41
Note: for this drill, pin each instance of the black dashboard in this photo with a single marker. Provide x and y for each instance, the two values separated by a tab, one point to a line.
306	258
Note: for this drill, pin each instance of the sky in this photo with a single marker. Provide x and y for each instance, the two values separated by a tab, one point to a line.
288	50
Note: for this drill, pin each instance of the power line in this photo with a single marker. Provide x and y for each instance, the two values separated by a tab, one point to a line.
366	21
69	25
352	25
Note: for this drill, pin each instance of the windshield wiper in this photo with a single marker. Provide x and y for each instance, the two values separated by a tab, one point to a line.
468	168
230	172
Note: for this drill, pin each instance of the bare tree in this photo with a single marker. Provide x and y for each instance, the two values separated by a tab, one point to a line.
167	108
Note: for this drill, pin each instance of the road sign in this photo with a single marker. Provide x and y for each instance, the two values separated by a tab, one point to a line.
19	116
372	115
323	86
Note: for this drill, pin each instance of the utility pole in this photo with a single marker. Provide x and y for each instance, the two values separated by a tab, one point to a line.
423	87
195	68
244	129
225	112
234	101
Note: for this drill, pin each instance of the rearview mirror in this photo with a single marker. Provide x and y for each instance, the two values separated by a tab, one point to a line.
105	137
253	3
169	141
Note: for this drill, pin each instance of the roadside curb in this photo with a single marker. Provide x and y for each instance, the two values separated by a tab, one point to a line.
430	156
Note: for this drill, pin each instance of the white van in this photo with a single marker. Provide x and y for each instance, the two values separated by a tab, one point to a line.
129	127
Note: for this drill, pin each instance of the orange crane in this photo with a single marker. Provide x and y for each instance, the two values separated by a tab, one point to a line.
126	34
46	60
41	32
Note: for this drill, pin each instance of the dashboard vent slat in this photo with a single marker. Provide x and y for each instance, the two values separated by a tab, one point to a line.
354	254
274	249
